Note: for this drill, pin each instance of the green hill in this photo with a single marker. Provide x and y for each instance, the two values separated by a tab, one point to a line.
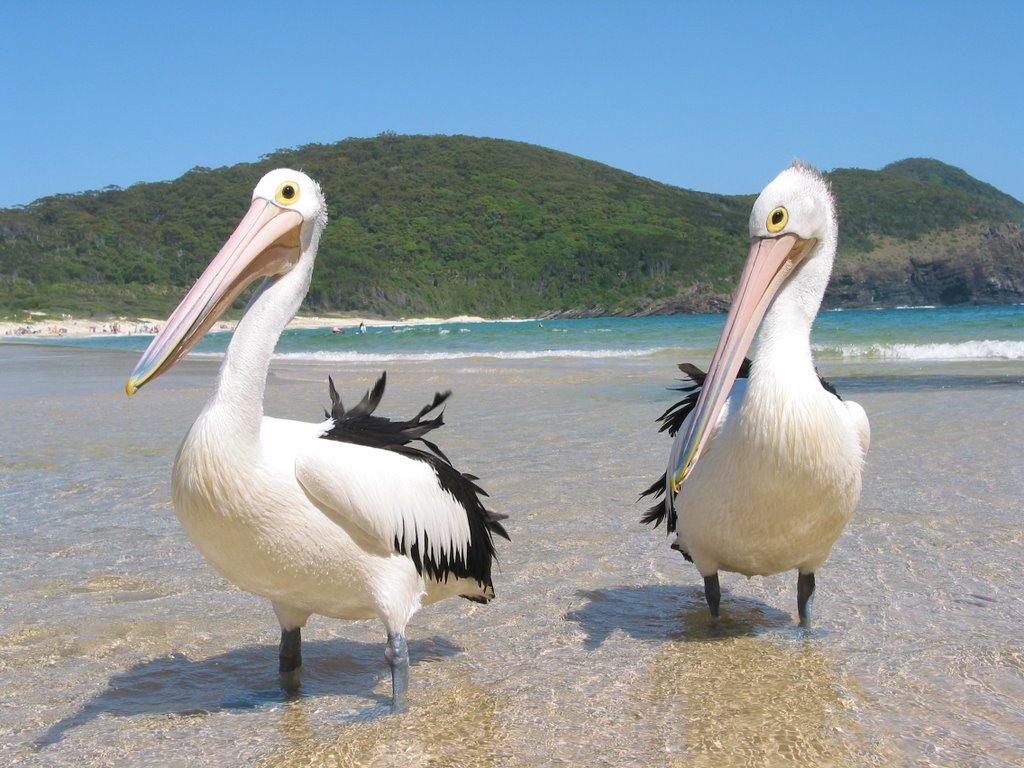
923	232
444	225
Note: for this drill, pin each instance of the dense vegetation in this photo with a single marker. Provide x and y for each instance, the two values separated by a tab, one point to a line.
446	225
913	197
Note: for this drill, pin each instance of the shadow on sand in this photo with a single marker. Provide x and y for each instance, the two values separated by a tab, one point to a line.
245	678
670	612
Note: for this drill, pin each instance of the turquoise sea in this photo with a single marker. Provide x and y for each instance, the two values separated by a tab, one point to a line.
120	646
929	334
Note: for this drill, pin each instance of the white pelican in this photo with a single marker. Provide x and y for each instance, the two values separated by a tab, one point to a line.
342	518
765	471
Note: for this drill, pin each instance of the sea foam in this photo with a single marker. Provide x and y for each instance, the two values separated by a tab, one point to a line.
985	349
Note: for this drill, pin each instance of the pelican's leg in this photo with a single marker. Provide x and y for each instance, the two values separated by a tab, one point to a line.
290	653
713	594
804	590
397	654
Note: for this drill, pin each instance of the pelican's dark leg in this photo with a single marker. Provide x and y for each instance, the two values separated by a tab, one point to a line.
290	653
804	590
397	654
713	594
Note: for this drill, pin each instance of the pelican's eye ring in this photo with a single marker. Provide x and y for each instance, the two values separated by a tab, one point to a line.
777	219
287	193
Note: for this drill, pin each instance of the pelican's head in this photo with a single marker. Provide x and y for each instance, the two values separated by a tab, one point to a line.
282	228
294	191
797	201
793	234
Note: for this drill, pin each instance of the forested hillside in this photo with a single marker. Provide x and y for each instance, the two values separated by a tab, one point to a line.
444	225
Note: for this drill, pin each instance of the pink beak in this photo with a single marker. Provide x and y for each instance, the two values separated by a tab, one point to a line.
265	243
770	262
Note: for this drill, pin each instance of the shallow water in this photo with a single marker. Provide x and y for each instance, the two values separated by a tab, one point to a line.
120	646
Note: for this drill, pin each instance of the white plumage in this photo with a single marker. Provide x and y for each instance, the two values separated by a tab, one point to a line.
344	518
765	472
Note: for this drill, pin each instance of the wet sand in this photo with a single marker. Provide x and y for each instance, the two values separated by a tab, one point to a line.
120	646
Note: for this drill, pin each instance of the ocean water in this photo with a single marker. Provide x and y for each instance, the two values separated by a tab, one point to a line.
913	333
120	646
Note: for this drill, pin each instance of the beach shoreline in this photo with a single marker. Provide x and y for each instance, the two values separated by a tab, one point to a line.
70	326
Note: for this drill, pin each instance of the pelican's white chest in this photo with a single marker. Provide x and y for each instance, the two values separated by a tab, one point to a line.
239	503
229	501
779	483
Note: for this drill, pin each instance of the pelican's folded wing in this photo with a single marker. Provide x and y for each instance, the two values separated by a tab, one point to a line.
387	502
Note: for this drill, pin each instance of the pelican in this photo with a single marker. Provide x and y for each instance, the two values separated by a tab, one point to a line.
342	518
765	471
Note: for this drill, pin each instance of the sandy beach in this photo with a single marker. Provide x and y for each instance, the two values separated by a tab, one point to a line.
47	327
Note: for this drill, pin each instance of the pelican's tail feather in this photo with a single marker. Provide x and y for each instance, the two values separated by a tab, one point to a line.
359	424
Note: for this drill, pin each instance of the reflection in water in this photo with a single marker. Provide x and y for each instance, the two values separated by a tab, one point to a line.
766	699
750	690
454	726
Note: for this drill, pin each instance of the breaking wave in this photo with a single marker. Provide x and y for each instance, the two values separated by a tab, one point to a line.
963	350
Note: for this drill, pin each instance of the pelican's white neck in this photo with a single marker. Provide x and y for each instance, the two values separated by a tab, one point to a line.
243	374
785	335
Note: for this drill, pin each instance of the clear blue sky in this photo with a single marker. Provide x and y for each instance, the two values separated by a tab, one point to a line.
710	96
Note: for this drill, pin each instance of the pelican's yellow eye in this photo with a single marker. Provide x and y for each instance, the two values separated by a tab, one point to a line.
777	219
287	193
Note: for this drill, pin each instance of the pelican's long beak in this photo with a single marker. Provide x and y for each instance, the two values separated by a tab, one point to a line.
769	263
265	243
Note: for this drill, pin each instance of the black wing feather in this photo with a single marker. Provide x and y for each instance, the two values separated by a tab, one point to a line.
360	426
